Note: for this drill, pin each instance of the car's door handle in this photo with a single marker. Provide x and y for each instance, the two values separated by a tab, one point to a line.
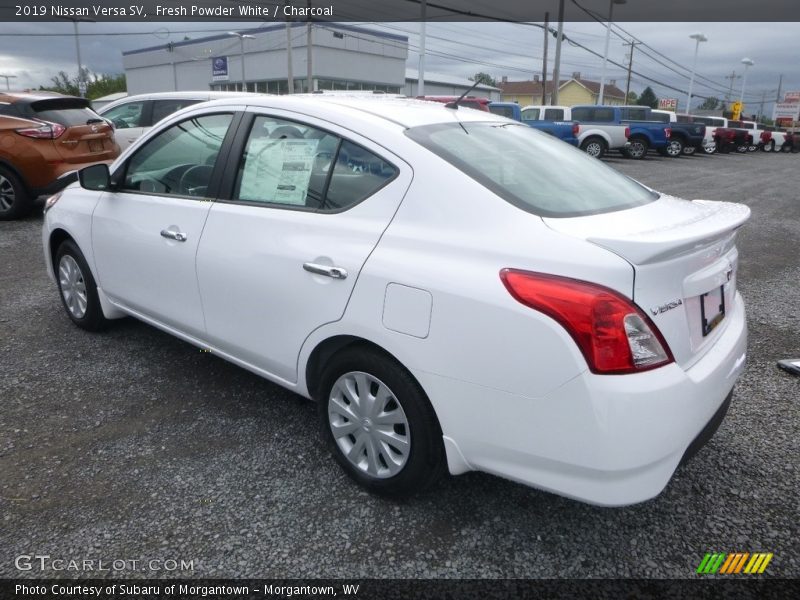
173	235
328	271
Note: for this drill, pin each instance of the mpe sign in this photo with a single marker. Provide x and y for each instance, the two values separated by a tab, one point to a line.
668	104
219	68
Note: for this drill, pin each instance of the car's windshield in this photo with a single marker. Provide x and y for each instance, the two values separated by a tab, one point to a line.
532	170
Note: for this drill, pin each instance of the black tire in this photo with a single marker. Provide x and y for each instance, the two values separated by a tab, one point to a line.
709	150
425	459
689	150
595	147
638	149
92	318
674	148
742	148
768	147
752	148
15	202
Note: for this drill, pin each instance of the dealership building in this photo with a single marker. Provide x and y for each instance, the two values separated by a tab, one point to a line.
342	57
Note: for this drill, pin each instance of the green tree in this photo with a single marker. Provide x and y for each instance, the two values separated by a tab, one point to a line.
97	85
632	97
648	98
711	103
484	78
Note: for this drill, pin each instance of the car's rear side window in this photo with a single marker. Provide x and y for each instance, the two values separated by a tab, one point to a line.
532	170
64	111
554	114
286	163
164	108
530	114
503	111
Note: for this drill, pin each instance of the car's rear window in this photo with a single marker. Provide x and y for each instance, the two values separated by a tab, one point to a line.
532	170
503	111
65	111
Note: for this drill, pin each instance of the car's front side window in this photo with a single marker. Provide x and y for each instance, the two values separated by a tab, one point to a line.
179	160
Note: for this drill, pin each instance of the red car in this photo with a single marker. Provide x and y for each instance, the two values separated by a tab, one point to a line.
43	138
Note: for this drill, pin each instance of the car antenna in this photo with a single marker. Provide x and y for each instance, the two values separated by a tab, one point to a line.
454	104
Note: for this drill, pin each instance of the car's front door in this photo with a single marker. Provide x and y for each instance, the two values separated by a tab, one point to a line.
307	203
146	231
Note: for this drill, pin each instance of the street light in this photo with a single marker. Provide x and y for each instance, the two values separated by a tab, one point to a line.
698	37
242	37
611	4
747	63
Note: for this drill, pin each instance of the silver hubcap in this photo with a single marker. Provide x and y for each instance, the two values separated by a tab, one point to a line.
674	149
636	149
689	149
7	195
593	149
369	425
73	287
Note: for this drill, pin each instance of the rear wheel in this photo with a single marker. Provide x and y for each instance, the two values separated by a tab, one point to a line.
638	149
770	147
752	148
594	146
689	150
78	288
742	148
710	148
674	148
14	199
378	423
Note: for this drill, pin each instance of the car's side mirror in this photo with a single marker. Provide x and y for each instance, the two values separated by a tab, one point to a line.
95	177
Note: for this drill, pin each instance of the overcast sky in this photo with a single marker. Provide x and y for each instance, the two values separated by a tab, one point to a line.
513	50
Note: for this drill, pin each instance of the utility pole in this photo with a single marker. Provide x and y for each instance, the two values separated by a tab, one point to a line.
544	59
309	55
421	69
7	77
557	63
633	45
733	76
761	106
289	72
780	84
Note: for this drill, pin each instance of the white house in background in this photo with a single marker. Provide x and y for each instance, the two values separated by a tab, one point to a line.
343	57
438	84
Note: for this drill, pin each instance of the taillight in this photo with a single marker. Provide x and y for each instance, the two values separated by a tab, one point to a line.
576	129
627	132
668	132
613	334
766	136
46	131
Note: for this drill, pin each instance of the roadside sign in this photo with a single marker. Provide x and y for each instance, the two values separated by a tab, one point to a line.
668	104
82	88
793	96
219	68
736	110
786	110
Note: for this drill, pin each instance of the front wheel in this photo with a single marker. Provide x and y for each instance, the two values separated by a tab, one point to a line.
689	150
768	147
752	148
378	423
710	148
595	147
77	287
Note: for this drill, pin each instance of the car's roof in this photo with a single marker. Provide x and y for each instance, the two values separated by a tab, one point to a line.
403	112
29	97
188	95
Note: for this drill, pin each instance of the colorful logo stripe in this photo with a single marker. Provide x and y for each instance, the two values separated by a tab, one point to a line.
734	563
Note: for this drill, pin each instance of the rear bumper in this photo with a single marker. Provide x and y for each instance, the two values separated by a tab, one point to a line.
606	440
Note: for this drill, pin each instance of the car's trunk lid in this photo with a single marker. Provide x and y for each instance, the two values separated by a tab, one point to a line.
685	263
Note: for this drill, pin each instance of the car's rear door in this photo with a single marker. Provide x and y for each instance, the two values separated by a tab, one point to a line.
131	119
308	202
145	232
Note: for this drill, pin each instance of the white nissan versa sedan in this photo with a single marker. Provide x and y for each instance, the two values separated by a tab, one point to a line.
456	290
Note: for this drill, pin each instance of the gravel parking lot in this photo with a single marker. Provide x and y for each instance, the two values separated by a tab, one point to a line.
133	445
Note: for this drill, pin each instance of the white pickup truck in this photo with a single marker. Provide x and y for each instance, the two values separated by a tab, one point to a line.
594	139
754	130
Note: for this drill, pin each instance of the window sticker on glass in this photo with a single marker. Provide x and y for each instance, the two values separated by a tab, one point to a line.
278	171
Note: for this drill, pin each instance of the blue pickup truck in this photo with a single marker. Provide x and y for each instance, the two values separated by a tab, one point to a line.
644	134
566	131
